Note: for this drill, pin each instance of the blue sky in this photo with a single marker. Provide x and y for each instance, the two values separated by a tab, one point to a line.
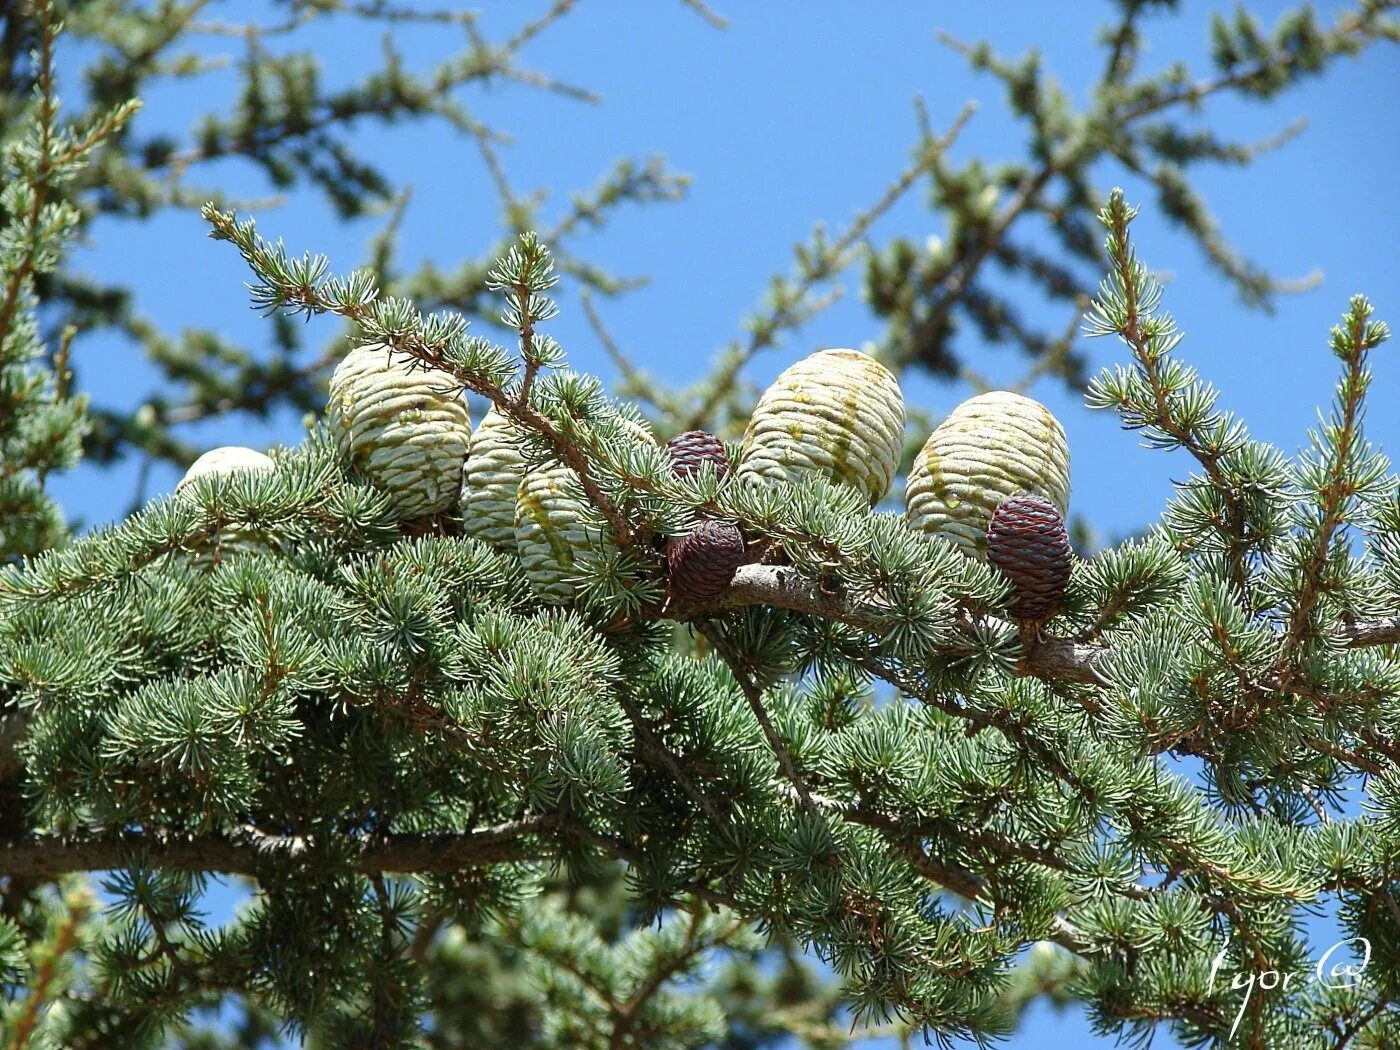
800	112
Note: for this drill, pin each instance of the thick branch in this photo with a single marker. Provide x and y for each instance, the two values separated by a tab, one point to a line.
1052	659
1385	631
1056	659
1063	932
48	856
785	588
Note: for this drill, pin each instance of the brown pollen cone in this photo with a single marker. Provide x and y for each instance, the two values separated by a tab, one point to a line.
695	447
702	563
1027	541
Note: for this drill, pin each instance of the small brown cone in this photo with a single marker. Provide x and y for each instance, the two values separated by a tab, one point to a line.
702	563
1027	541
689	451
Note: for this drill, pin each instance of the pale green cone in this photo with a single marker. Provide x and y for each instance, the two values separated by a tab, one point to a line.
231	540
495	467
550	534
404	427
990	447
838	413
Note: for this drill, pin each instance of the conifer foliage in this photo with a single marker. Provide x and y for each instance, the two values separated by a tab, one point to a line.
530	745
393	731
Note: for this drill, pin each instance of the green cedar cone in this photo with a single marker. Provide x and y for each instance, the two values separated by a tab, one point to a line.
403	426
495	467
550	532
551	525
990	447
231	539
838	413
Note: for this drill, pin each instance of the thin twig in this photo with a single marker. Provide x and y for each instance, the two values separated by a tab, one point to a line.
754	696
655	748
1336	490
634	382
